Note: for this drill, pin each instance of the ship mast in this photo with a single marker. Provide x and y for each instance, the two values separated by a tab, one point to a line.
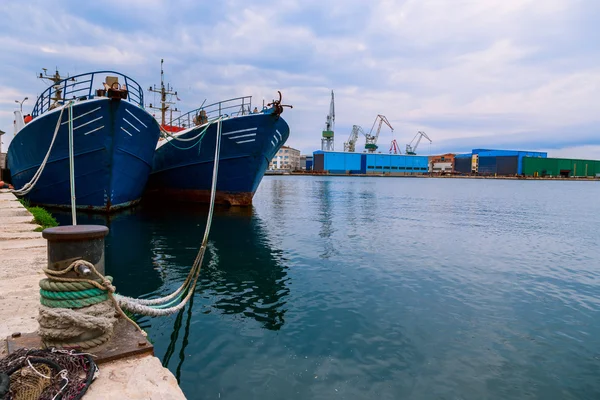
54	79
164	91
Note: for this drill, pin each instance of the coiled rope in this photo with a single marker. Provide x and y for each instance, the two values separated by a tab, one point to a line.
78	307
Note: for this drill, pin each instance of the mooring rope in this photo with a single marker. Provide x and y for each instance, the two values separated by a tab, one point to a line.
31	184
47	284
106	285
72	165
28	187
198	136
65	323
200	254
72	307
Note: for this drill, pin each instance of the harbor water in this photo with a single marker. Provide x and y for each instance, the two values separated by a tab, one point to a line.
375	288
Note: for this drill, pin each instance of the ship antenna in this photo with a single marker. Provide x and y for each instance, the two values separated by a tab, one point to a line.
164	104
54	79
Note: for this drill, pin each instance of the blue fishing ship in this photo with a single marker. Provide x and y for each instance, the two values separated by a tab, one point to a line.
184	159
113	143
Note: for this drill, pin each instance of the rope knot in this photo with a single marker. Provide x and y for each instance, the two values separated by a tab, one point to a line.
109	286
82	263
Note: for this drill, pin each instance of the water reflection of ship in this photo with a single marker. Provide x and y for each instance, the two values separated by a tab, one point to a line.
128	255
242	274
151	248
149	252
248	278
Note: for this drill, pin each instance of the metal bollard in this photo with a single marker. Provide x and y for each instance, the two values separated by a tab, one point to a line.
73	242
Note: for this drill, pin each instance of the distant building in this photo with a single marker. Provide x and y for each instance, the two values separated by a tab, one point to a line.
306	162
2	154
494	162
286	158
347	163
441	164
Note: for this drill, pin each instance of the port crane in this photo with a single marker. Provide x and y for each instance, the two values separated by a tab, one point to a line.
412	150
327	138
394	148
350	145
371	139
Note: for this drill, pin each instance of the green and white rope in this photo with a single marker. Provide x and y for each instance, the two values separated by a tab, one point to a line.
52	286
152	307
74	303
67	300
79	294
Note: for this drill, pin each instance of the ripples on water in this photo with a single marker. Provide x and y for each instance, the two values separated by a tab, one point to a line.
364	288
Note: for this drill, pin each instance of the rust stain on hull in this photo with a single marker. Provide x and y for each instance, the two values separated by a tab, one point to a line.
241	199
106	209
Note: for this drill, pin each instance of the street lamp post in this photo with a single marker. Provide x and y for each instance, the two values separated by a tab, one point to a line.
1	133
20	103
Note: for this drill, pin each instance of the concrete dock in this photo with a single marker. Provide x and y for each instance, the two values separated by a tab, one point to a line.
22	255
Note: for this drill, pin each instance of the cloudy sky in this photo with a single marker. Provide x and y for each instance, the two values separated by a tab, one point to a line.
511	74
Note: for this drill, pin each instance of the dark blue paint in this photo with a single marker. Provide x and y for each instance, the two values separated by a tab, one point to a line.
397	163
241	165
462	165
487	165
111	167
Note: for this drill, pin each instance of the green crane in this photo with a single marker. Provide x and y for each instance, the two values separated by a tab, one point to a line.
350	145
327	139
371	139
410	150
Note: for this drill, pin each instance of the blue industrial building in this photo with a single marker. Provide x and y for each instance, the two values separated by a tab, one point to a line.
479	161
337	162
369	163
395	164
494	162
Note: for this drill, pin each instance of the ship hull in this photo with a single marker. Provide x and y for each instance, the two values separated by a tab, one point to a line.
183	171
113	144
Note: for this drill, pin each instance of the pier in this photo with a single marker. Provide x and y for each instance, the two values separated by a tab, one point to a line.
23	253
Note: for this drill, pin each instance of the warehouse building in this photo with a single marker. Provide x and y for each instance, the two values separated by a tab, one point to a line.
462	163
501	162
441	164
337	162
395	164
306	162
565	167
494	162
369	163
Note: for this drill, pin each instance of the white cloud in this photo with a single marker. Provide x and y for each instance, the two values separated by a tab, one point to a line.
462	70
578	152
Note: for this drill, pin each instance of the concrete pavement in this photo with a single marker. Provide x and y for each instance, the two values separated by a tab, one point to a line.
22	254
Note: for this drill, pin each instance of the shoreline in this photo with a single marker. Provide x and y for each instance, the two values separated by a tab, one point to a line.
427	176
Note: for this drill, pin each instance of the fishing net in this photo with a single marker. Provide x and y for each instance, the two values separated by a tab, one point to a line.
29	384
46	375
